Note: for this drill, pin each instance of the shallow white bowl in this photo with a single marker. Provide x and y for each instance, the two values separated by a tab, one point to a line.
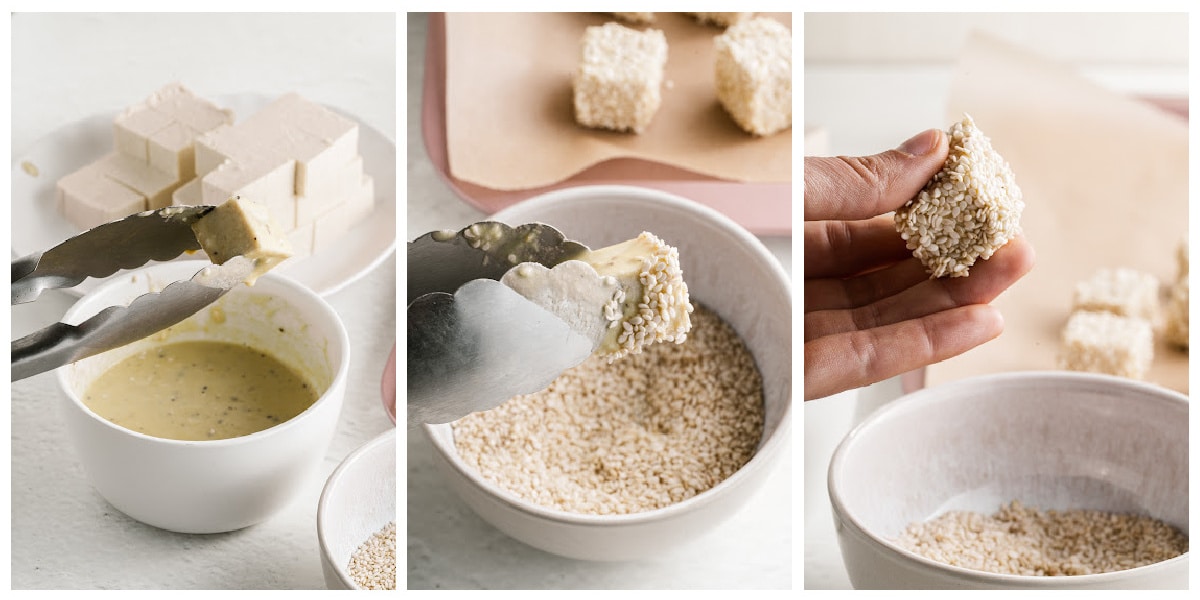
359	499
728	270
1054	440
219	485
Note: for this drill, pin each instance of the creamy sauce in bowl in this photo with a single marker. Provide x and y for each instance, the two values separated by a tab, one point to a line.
200	390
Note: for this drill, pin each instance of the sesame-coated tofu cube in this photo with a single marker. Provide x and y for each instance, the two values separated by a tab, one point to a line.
618	83
754	75
1101	342
1124	292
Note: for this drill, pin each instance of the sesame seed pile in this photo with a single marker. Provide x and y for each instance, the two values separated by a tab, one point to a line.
648	431
373	564
970	209
663	309
1018	540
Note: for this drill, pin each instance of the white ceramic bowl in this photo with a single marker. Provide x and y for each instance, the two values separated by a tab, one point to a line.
1054	440
728	270
219	485
359	499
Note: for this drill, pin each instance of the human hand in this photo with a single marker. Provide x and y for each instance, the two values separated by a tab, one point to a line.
870	309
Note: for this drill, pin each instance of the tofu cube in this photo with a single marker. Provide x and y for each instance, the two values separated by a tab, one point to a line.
241	227
184	107
301	239
155	185
88	198
753	71
333	224
348	184
187	194
267	185
172	151
133	129
618	83
1121	291
1102	342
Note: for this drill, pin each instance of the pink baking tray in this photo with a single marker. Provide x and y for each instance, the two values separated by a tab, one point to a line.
762	208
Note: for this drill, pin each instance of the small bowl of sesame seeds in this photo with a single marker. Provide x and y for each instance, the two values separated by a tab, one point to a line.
1024	480
356	518
628	459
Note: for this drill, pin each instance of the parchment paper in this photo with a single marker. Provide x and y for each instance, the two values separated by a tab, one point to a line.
510	120
1105	180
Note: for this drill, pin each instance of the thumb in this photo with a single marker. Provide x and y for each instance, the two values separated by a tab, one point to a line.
860	187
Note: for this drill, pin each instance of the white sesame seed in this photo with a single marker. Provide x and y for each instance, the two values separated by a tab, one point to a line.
373	564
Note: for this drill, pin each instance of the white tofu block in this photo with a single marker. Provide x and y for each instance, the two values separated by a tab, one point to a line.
301	239
1125	292
619	79
226	143
242	227
88	198
187	194
753	72
1101	342
312	118
133	128
172	151
269	186
347	184
333	224
155	185
186	108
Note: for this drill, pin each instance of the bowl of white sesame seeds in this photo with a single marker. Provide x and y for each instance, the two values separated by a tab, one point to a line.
356	518
628	459
1023	480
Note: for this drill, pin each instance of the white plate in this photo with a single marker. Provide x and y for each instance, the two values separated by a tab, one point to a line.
38	226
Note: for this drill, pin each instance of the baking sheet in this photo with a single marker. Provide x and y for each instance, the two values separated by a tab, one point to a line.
762	208
1105	182
510	121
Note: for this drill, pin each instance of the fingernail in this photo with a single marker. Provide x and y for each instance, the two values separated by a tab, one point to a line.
921	144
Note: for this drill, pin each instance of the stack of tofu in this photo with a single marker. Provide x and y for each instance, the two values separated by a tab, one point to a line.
297	158
152	157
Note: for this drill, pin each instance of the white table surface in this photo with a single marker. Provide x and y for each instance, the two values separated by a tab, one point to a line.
69	66
449	547
864	110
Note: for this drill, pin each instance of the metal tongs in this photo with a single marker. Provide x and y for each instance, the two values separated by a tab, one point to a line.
473	341
99	252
